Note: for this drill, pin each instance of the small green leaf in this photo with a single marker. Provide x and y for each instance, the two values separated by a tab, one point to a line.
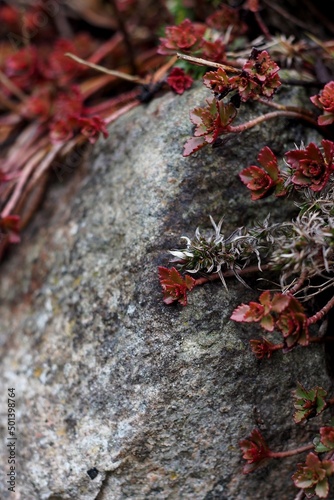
301	392
267	322
320	448
322	488
308	403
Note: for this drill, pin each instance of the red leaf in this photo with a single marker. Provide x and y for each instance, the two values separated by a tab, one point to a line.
175	276
268	161
250	173
194	144
163	273
239	314
174	286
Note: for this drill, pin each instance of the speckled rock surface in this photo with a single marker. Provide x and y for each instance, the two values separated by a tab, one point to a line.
154	397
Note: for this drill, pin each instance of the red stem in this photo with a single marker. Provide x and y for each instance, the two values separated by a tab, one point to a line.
290	453
298	284
206	279
229	273
282	107
321	340
320	314
269	116
276	347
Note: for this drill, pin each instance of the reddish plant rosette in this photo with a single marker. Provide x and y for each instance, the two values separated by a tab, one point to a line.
214	51
310	167
179	81
327	437
325	101
255	451
262	348
217	81
22	67
292	323
262	75
174	286
263	181
185	37
247	87
63	130
92	127
38	106
282	312
312	476
260	65
258	181
262	312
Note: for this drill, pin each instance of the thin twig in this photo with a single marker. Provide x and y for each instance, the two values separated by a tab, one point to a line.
302	83
46	162
110	72
33	203
204	62
62	23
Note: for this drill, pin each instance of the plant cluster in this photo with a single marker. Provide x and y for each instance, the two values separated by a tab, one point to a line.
299	251
54	101
311	476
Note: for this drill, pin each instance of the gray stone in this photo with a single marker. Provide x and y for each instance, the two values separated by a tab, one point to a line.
107	377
